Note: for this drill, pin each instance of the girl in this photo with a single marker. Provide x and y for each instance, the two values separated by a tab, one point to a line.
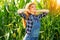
31	20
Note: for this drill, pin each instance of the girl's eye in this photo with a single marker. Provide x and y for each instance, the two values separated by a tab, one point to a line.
32	7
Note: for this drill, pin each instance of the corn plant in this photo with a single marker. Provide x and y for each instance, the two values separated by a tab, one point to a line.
11	27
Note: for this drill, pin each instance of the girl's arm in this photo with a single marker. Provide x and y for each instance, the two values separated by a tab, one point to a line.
44	13
21	13
43	10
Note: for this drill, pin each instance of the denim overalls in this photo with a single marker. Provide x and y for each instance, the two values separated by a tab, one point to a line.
35	29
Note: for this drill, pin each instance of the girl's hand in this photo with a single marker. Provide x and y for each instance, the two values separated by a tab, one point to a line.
20	11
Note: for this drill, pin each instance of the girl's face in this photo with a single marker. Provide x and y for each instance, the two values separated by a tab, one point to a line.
32	8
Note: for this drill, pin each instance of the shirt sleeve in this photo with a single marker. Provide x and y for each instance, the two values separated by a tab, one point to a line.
23	15
42	15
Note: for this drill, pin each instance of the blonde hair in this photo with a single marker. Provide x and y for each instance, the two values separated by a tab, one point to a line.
29	4
27	14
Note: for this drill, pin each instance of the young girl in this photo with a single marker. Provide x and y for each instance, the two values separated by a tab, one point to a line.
31	20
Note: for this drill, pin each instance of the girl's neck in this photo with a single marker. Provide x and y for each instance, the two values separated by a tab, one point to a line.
33	13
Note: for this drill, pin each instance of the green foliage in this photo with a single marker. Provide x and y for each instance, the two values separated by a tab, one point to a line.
11	27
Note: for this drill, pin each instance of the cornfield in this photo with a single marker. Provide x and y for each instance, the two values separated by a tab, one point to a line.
11	27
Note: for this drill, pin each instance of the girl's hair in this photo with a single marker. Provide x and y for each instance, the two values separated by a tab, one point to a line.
27	14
